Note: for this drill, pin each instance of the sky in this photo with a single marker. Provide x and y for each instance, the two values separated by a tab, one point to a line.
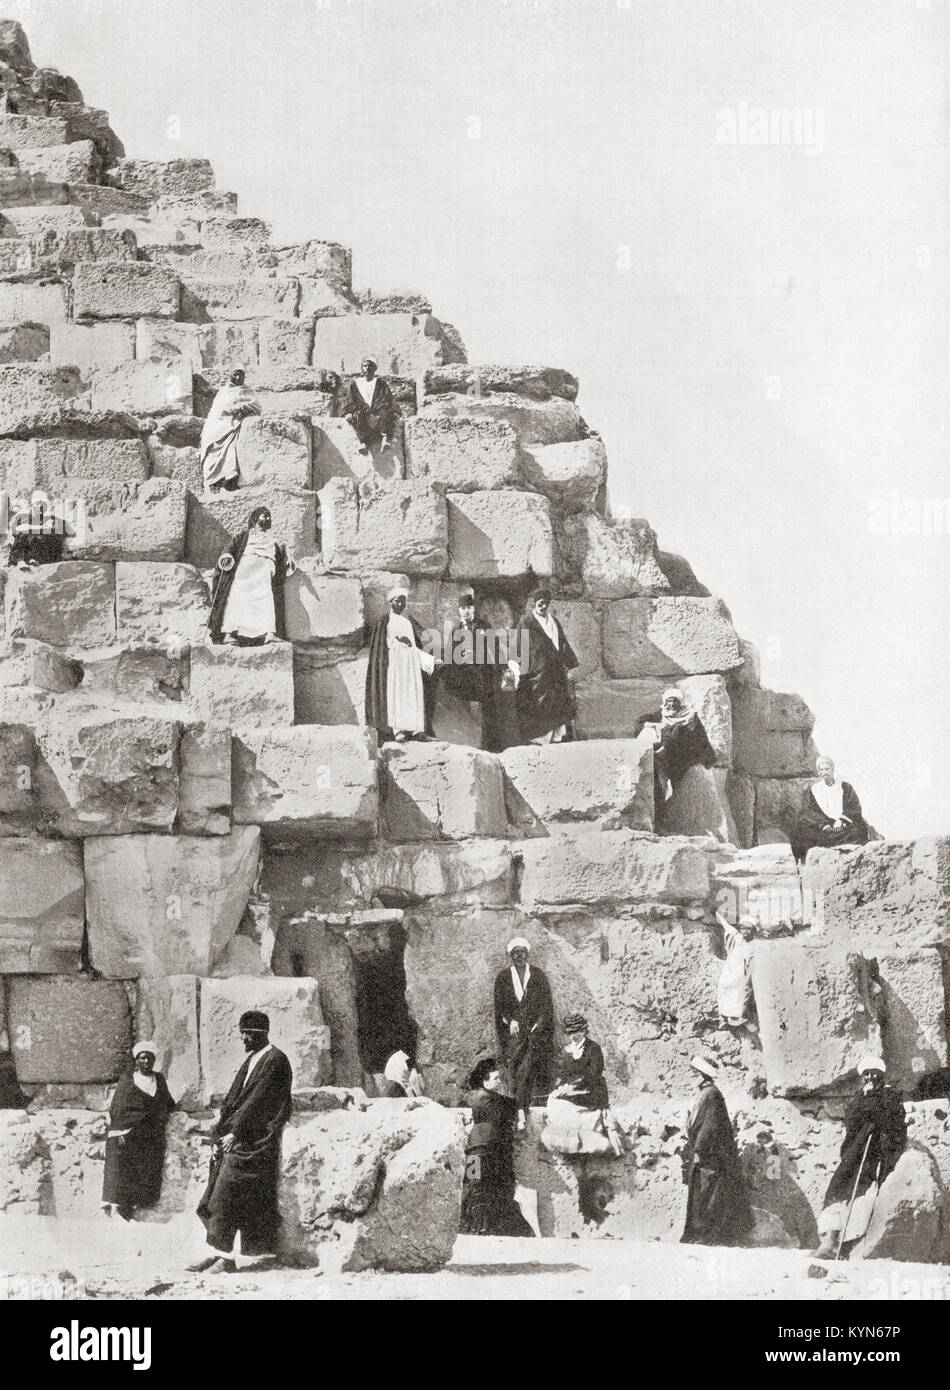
756	303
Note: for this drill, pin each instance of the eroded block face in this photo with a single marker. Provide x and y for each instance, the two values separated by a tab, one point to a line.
668	637
71	604
323	608
296	1027
243	687
436	791
41	906
464	455
306	780
123	289
68	1030
499	535
164	604
398	526
603	866
609	782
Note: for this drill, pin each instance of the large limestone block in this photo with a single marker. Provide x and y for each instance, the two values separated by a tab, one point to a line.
141	674
65	1029
306	780
594	866
144	388
699	806
71	604
499	535
778	804
378	1189
30	388
24	342
554	421
214	521
581	623
402	344
108	774
17	772
32	303
275	450
338	453
323	607
909	1217
243	686
24	1166
386	526
317	258
316	945
78	461
204	806
225	345
464	455
166	340
668	637
36	664
434	791
612	559
167	1012
132	521
608	781
894	893
613	708
90	345
329	692
31	132
166	904
41	906
538	383
817	1016
772	733
296	1027
915	1015
761	882
161	604
571	474
123	289
78	162
157	178
286	342
247	297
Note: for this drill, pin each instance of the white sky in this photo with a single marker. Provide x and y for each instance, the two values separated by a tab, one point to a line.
772	365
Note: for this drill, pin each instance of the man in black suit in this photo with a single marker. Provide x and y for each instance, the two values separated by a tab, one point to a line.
242	1187
524	1022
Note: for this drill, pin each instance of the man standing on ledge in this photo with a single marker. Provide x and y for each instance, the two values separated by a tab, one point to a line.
524	1023
545	680
399	694
717	1207
242	1187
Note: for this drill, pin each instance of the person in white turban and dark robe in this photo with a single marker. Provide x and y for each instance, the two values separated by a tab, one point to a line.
830	816
717	1205
679	742
135	1142
524	1023
400	694
370	407
219	448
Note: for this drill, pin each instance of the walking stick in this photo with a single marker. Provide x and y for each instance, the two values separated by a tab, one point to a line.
854	1194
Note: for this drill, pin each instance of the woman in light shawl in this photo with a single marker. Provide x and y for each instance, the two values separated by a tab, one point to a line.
135	1144
220	435
680	742
247	596
830	815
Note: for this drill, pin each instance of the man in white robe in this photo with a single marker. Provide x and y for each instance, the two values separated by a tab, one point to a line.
395	690
219	449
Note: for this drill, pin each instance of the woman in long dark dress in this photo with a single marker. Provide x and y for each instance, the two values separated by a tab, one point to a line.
135	1144
488	1190
717	1206
247	595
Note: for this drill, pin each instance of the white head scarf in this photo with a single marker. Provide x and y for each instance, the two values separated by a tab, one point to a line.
829	798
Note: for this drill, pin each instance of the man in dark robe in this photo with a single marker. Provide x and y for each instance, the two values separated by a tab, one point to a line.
524	1023
399	704
370	407
135	1143
228	572
830	815
717	1207
476	672
545	691
241	1195
680	742
875	1136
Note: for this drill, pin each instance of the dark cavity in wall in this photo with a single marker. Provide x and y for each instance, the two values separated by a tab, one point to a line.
384	1025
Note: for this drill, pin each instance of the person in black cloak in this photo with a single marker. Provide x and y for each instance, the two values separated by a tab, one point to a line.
830	815
680	742
247	595
38	535
524	1024
488	1188
135	1143
400	694
875	1135
717	1207
370	407
12	1096
476	671
241	1195
545	692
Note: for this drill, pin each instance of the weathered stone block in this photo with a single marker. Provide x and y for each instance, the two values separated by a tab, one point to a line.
700	806
162	604
599	866
31	132
116	461
321	607
41	905
554	421
898	893
611	559
297	1028
338	453
243	686
277	451
167	1012
91	345
28	388
68	1030
772	733
132	521
402	344
163	340
499	535
907	1222
23	342
612	709
668	637
225	346
464	455
166	904
144	388
17	770
914	1015
204	806
122	289
571	474
157	178
329	692
778	803
538	383
245	298
817	1016
22	303
181	465
609	781
306	780
317	258
71	604
436	791
143	675
391	526
78	162
214	521
26	662
286	341
581	623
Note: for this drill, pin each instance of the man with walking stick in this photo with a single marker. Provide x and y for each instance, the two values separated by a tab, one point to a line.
874	1139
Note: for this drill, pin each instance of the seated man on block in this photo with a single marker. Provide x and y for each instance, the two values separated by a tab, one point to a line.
830	816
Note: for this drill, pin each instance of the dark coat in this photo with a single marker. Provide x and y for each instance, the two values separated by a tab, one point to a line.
528	1052
717	1208
376	704
545	696
371	421
879	1115
481	682
586	1072
681	746
810	832
488	1189
224	578
134	1162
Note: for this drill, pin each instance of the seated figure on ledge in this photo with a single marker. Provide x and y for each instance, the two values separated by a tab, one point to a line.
247	595
219	449
830	816
679	742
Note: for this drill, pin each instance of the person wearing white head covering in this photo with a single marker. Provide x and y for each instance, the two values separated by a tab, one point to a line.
135	1142
399	692
830	816
717	1205
679	742
219	447
524	1023
402	1078
875	1135
370	408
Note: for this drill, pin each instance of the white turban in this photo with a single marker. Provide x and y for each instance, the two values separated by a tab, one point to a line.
870	1063
703	1065
395	591
145	1045
517	941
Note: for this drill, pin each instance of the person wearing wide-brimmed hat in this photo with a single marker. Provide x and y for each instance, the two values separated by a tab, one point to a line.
135	1142
717	1206
488	1190
875	1135
524	1023
241	1196
578	1111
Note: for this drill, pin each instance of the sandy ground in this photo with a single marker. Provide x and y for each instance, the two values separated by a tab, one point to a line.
39	1257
